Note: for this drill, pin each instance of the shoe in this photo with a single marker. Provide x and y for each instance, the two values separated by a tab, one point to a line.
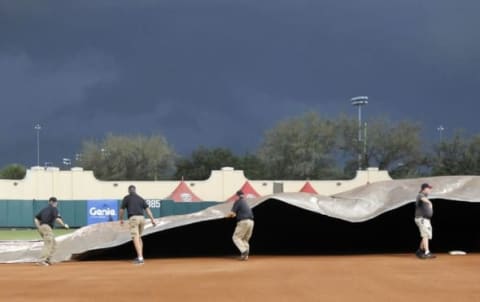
244	255
429	256
419	253
138	261
44	263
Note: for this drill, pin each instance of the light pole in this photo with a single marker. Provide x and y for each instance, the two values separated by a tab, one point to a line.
78	158
440	130
37	127
66	162
358	102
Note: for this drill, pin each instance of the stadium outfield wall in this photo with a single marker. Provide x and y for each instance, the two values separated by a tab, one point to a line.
79	213
77	184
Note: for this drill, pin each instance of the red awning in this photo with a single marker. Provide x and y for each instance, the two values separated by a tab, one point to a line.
183	194
248	190
307	188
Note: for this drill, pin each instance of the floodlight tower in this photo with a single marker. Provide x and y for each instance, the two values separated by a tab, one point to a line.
359	102
440	130
37	128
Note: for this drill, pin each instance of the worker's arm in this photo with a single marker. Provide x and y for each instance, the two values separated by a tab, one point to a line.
425	200
120	215
149	213
60	221
231	215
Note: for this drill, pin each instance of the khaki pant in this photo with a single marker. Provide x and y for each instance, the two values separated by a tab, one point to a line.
242	234
425	227
137	224
49	243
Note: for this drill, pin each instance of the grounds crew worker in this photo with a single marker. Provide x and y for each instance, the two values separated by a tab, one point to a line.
243	231
45	222
136	206
423	215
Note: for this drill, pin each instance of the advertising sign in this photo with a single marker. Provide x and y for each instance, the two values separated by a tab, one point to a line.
102	211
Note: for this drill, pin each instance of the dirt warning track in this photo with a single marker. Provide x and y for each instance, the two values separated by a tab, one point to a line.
396	277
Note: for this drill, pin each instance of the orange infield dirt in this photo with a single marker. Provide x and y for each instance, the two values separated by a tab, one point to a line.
262	278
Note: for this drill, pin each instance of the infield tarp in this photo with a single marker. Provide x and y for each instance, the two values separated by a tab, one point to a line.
355	206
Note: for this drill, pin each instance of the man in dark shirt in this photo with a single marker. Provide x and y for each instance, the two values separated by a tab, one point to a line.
243	231
45	222
135	206
423	214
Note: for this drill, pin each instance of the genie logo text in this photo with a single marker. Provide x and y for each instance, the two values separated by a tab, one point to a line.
102	211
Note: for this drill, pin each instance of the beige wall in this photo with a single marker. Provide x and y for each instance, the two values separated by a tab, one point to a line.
76	184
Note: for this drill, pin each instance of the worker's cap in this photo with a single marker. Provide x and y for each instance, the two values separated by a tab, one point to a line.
426	185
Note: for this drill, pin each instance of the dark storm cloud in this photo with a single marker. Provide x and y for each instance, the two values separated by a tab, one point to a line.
221	72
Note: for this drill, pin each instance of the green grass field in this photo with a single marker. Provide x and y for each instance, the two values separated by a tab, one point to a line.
27	234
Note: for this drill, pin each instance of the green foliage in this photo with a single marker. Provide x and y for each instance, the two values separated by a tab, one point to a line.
459	155
252	166
129	158
312	147
396	147
13	171
299	148
303	147
203	160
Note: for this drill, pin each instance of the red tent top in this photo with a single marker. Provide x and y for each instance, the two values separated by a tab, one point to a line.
248	190
183	193
307	188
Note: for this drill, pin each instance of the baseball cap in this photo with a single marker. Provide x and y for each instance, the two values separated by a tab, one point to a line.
240	192
426	185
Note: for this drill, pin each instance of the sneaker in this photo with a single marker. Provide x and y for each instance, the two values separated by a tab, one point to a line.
138	261
419	253
429	256
244	255
44	263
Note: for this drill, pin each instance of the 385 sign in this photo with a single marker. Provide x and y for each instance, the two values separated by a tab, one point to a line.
154	203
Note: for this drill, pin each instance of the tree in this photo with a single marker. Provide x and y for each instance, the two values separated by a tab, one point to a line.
396	147
299	148
348	145
203	160
13	171
459	155
129	158
252	166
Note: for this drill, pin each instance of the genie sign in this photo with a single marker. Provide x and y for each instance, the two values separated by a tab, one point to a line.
102	211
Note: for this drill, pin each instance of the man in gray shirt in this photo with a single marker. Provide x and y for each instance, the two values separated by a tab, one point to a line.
423	215
243	231
135	206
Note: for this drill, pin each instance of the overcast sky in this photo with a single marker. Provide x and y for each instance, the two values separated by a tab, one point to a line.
221	72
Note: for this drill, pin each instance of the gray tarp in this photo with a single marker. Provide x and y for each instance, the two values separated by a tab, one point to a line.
357	205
